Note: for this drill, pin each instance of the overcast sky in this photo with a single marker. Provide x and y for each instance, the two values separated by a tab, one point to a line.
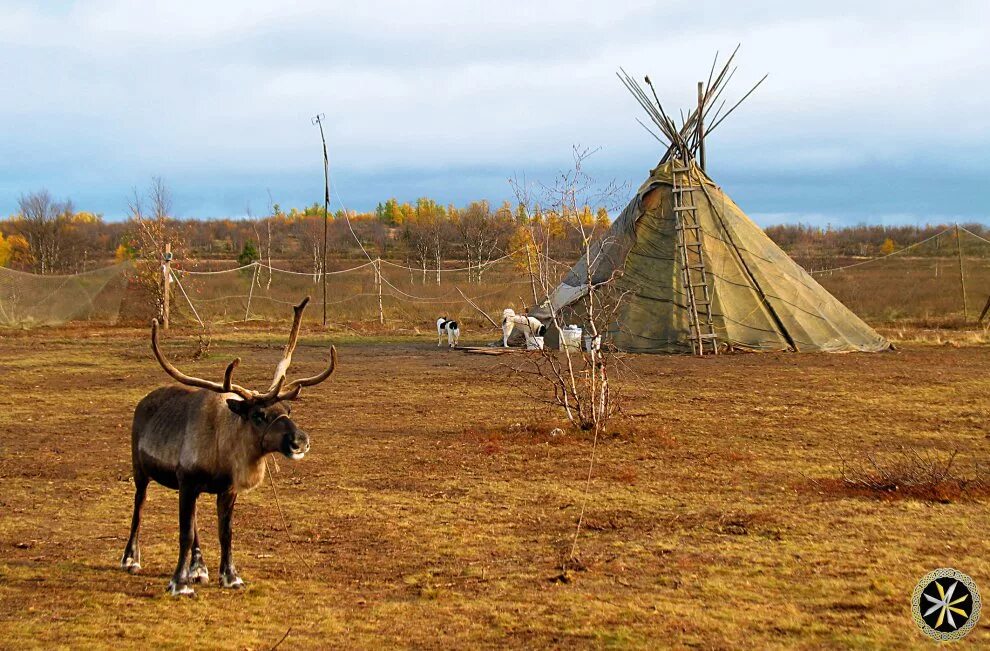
873	111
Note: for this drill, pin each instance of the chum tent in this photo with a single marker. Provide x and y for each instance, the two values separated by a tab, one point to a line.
695	274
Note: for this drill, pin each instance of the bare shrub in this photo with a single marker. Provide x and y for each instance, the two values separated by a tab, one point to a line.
910	473
204	341
579	383
151	231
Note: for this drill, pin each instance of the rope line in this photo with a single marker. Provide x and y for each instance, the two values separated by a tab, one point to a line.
872	260
263	265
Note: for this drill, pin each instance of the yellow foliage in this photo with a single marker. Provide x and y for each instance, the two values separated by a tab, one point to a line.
523	247
123	253
888	246
602	220
84	217
14	250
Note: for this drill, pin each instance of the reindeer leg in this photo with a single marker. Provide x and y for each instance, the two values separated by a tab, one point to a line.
225	517
197	567
179	585
131	560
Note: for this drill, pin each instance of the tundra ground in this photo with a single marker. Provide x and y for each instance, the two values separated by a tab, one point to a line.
436	506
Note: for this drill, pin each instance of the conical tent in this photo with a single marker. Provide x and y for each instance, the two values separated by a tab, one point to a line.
760	299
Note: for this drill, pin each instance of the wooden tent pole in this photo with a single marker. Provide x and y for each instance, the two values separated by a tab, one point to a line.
701	125
752	278
962	274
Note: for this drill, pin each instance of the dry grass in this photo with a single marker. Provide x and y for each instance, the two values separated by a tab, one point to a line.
436	506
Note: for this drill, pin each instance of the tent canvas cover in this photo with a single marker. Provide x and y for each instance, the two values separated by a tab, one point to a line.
761	300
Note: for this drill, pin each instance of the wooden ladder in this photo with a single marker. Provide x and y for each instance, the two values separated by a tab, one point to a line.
694	275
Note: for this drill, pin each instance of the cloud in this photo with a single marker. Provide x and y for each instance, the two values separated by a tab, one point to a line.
449	99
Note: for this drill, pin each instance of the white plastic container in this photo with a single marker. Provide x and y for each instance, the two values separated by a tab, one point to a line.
534	343
592	343
570	339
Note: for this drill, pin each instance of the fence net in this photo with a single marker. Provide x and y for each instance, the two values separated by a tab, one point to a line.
943	278
377	290
29	300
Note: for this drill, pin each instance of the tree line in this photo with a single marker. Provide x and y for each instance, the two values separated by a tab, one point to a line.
49	236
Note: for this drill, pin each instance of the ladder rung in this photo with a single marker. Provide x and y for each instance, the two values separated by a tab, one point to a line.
684	208
682	169
699	284
710	335
686	188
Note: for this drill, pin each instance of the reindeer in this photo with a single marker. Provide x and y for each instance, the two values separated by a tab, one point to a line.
211	437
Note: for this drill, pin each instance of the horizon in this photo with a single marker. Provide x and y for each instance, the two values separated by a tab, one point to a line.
217	100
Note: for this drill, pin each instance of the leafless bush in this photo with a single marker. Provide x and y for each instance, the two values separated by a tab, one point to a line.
922	474
204	341
151	231
580	383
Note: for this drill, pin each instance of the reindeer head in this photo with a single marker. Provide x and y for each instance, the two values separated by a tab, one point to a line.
265	413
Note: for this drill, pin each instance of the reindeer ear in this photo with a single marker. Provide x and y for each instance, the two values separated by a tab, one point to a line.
239	407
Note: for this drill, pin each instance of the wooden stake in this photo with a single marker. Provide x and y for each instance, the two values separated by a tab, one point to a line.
962	274
254	279
378	272
983	314
166	283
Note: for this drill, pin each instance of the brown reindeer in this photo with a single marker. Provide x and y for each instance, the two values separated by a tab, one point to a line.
210	437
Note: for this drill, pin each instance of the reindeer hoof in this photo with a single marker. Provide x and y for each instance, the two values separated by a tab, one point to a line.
234	583
129	565
199	574
180	590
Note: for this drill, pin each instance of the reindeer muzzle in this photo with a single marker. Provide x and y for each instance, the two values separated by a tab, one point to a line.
295	445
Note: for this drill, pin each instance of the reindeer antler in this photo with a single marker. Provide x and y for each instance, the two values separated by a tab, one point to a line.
283	365
200	383
293	388
275	391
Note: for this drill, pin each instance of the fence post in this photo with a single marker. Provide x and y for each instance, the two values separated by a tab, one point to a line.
254	279
166	282
378	276
962	275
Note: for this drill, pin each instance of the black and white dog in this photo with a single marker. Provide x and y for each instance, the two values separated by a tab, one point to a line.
451	328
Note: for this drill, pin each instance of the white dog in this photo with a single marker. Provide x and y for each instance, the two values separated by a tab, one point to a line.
531	326
444	325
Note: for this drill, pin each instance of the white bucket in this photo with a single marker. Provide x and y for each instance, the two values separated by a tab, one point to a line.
570	338
592	343
534	343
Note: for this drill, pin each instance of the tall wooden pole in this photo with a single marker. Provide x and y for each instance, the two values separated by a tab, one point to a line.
166	283
962	274
701	125
318	120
